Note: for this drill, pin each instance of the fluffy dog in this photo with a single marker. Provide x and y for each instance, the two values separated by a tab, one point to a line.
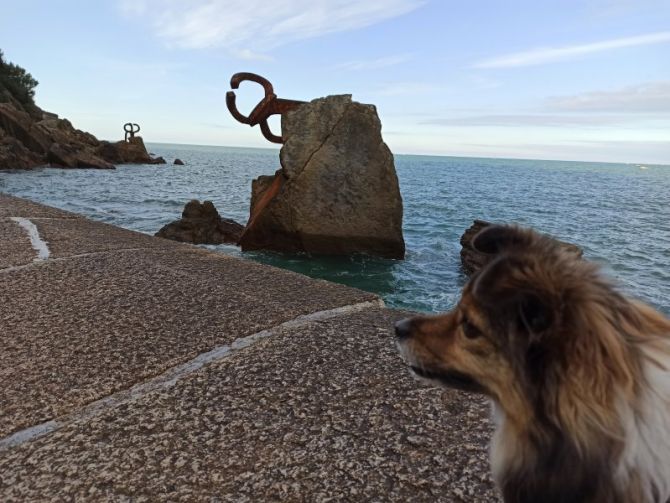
579	375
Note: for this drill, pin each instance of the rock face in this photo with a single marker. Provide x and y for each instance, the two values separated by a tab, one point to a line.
201	224
15	155
473	260
132	151
31	137
337	191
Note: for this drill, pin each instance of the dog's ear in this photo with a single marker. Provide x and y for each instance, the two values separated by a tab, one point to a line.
496	238
503	288
534	313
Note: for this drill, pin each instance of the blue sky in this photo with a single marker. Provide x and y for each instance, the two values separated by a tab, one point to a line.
550	79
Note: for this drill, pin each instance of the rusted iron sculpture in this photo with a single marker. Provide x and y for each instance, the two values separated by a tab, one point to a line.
269	105
130	128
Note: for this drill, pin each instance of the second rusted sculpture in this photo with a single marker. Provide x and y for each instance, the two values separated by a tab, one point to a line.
269	105
130	128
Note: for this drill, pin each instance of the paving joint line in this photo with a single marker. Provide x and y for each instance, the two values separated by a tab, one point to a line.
169	377
79	255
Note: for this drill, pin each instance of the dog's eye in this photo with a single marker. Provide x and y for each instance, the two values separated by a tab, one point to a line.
470	331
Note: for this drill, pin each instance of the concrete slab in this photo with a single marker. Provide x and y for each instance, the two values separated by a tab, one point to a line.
76	329
321	412
11	206
67	237
15	248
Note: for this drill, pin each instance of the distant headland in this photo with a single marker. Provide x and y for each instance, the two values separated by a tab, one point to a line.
31	137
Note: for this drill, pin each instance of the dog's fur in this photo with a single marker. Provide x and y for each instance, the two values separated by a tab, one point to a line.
579	375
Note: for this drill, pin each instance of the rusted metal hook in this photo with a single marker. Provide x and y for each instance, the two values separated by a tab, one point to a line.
269	105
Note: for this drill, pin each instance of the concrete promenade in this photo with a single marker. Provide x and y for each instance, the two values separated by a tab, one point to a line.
134	368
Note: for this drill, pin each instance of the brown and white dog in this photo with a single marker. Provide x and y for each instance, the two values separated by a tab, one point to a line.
579	375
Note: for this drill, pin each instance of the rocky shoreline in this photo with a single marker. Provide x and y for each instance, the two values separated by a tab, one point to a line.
35	138
31	137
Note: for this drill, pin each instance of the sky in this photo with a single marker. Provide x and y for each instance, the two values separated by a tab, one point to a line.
581	80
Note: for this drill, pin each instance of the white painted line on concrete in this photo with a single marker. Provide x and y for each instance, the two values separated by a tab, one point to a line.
36	241
170	377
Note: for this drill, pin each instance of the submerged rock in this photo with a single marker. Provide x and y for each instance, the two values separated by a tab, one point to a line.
178	162
337	191
200	223
473	260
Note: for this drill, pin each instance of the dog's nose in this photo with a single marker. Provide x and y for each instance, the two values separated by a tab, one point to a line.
403	328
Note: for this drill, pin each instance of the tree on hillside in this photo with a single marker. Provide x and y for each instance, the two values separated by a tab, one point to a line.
17	81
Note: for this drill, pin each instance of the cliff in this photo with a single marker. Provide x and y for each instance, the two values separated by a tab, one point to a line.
31	137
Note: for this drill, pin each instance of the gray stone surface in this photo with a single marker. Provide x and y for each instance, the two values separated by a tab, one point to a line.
320	410
340	193
78	329
325	412
15	248
67	237
11	206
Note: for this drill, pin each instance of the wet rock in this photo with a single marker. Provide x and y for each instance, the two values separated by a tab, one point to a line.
201	224
337	191
473	260
178	162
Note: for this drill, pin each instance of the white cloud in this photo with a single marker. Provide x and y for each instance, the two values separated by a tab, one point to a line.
402	88
259	25
251	55
650	97
373	64
544	55
133	8
537	120
645	103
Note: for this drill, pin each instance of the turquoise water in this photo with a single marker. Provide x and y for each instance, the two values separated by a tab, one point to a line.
618	213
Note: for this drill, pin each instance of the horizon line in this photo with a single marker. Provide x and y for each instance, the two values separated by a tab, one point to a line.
635	163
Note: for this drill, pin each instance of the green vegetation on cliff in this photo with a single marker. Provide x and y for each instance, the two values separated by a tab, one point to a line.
17	81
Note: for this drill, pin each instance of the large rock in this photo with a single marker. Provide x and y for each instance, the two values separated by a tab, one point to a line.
28	142
21	126
132	151
337	191
473	260
30	137
13	154
201	224
71	156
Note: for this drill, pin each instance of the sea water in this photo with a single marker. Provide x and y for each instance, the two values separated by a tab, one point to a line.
619	214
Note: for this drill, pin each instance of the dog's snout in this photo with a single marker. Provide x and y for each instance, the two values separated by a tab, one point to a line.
403	328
